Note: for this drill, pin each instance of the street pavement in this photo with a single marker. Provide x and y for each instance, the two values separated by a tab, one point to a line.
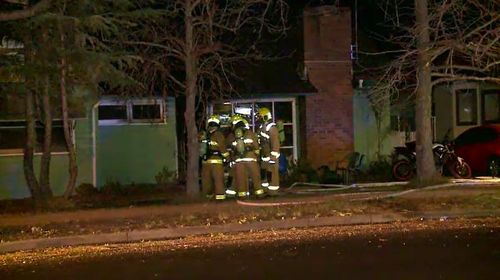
446	249
115	222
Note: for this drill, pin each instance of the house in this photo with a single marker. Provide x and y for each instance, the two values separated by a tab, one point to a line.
462	105
456	107
315	103
125	140
376	135
132	140
117	140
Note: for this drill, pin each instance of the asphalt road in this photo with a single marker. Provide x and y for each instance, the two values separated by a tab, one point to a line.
406	251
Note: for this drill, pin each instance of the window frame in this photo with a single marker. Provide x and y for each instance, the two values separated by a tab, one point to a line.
129	104
253	101
485	92
113	121
473	91
399	123
20	151
156	101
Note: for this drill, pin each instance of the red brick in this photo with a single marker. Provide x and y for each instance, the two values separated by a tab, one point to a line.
329	127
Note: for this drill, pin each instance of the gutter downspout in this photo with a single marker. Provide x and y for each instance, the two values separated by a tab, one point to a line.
94	144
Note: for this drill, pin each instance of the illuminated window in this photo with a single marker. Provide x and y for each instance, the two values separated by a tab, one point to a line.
466	106
282	110
491	106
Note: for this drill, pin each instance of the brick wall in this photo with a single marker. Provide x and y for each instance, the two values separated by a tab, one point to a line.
329	118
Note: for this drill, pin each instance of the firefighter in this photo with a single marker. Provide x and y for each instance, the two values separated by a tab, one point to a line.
269	140
245	151
231	180
213	152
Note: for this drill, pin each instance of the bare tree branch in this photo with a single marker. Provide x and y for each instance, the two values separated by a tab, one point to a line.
25	13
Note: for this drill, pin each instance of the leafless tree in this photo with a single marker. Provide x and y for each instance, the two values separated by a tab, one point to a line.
192	46
444	41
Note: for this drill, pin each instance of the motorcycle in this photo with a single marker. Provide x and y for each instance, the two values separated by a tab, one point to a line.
404	165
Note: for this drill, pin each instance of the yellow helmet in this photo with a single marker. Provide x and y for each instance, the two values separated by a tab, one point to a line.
264	114
236	119
213	120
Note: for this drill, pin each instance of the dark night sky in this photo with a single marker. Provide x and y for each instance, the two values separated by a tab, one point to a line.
370	22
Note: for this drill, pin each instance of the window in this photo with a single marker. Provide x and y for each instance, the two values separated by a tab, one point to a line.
466	106
288	135
281	109
491	106
58	140
146	112
13	137
403	123
112	112
283	112
142	111
11	103
247	110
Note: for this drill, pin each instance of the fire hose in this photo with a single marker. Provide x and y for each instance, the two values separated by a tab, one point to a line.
336	187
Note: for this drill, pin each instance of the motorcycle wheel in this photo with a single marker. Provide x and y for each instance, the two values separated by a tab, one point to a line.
402	170
460	170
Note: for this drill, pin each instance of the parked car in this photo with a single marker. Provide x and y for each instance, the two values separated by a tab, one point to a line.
480	147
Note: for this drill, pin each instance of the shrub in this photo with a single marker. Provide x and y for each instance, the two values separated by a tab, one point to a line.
328	176
300	171
165	176
86	190
85	194
113	188
378	171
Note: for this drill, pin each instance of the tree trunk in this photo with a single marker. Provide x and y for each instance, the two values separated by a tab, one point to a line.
29	148
30	144
68	131
47	141
192	181
378	122
426	170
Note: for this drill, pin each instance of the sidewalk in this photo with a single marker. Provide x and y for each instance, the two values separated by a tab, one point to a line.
35	231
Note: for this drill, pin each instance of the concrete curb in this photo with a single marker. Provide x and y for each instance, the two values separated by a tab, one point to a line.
171	233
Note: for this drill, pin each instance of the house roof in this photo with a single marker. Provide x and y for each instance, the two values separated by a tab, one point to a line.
273	78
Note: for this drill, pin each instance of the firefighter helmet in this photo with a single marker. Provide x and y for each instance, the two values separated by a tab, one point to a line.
238	120
264	114
214	120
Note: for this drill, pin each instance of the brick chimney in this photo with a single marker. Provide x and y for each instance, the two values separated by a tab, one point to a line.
329	112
